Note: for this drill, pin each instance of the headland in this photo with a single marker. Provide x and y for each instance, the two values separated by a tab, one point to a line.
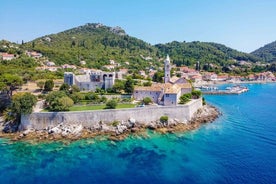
35	128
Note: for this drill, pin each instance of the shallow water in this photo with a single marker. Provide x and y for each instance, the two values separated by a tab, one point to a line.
239	147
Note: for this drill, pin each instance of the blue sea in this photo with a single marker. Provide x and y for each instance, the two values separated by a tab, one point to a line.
239	147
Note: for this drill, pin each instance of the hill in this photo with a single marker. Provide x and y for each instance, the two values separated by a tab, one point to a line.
189	53
94	43
267	52
97	44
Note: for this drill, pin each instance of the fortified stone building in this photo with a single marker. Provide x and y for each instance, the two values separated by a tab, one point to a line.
91	80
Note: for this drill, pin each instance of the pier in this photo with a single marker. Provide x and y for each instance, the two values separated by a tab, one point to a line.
235	90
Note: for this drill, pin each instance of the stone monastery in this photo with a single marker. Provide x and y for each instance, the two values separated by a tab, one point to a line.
167	93
91	80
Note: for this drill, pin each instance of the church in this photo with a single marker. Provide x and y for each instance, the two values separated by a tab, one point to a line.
167	93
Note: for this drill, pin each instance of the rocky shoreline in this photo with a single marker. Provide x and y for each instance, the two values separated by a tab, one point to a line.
114	131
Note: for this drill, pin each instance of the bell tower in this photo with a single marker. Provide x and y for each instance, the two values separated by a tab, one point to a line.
167	69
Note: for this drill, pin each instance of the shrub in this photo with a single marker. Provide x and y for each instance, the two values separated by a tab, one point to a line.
49	85
147	100
203	101
58	101
185	98
196	94
65	103
115	123
164	119
64	87
111	104
77	97
40	84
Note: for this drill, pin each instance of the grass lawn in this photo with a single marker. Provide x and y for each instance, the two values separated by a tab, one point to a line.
99	107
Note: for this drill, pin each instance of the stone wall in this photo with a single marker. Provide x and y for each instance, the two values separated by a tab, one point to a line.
42	120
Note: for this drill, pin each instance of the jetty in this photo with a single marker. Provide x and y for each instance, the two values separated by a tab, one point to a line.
228	91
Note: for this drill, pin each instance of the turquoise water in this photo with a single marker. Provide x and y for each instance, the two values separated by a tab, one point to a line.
239	147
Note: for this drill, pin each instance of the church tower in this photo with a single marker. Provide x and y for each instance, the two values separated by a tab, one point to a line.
167	67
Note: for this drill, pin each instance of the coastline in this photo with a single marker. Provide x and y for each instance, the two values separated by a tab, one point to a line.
198	84
119	132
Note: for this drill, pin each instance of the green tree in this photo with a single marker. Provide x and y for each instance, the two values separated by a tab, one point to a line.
158	76
10	83
111	104
147	100
22	103
118	86
65	87
52	100
75	88
129	86
76	97
65	103
49	85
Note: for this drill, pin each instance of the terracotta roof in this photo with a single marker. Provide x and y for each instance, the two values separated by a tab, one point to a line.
167	87
173	79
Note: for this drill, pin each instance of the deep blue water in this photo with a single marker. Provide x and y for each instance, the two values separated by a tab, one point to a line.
239	147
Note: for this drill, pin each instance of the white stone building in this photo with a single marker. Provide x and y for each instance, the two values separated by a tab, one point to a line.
91	80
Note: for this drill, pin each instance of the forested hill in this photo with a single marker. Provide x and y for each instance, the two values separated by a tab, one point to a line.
188	53
94	43
267	52
97	44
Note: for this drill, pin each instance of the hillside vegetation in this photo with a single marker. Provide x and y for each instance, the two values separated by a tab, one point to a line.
188	53
94	43
267	52
97	44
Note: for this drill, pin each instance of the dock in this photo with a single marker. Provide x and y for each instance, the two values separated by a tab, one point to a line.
235	90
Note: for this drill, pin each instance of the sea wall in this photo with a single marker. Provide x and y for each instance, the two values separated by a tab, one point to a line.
42	120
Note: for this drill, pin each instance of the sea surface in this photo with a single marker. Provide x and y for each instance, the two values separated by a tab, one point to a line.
239	147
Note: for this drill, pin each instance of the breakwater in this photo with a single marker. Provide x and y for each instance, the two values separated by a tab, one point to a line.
43	120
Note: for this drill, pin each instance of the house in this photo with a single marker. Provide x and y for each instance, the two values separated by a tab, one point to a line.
222	77
49	68
34	54
82	62
50	63
109	67
91	80
7	57
210	76
196	78
142	73
65	66
167	93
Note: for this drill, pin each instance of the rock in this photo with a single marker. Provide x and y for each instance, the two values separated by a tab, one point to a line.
132	122
54	130
134	129
120	129
151	126
176	120
106	128
26	132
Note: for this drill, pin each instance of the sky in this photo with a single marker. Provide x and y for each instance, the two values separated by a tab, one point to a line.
245	25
